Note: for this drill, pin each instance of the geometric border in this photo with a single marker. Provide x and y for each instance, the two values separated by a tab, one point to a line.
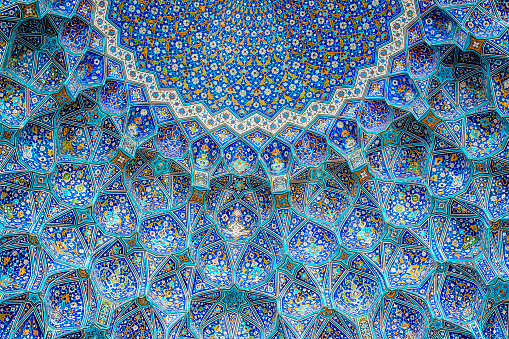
256	121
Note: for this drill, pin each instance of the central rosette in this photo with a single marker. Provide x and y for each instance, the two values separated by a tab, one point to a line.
233	313
254	56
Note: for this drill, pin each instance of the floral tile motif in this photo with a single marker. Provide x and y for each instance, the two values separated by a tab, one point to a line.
254	169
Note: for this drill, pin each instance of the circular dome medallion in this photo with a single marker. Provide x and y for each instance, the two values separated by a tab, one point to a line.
15	271
66	312
404	321
299	301
449	174
73	184
460	298
15	208
237	222
375	116
328	206
115	213
113	97
240	158
311	149
422	61
356	293
362	229
162	234
408	204
401	90
74	35
216	265
313	244
36	147
171	141
262	57
485	133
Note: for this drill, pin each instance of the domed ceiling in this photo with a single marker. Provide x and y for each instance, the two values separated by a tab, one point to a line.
254	169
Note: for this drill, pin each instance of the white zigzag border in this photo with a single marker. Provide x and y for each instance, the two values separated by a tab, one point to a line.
256	121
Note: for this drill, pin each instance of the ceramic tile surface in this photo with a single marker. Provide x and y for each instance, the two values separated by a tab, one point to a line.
254	169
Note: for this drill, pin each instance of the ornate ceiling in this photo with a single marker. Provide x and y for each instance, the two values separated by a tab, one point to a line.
257	169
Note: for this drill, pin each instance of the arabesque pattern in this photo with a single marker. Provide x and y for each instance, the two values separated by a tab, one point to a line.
254	169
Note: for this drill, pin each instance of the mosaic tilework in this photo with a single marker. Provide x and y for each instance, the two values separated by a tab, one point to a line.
254	169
